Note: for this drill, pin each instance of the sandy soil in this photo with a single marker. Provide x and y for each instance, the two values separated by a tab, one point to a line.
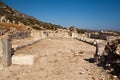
65	59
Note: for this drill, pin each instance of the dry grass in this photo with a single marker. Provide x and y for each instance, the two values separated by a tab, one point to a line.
10	25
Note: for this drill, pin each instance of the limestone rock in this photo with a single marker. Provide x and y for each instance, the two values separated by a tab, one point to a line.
23	59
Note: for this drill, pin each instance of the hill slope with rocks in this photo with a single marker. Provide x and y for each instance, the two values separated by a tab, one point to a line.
15	16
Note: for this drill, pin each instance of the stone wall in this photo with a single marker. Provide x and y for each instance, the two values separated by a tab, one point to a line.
49	34
102	35
60	35
20	34
38	34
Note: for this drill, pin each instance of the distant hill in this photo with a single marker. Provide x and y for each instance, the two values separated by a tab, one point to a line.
13	15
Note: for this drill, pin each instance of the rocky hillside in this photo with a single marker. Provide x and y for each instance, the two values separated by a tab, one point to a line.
15	16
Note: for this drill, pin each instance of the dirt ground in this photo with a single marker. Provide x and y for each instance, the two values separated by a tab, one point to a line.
57	59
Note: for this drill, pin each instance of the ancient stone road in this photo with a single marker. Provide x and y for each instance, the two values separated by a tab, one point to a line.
63	59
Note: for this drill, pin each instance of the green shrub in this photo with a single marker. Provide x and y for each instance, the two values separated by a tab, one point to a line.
36	28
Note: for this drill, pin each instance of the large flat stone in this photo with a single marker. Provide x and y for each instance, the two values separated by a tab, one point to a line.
23	59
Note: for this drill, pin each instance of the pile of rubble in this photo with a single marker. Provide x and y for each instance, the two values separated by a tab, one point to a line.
108	55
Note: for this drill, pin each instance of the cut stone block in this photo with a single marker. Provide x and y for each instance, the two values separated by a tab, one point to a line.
5	51
23	59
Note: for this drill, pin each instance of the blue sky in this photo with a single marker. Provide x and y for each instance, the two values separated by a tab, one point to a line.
85	14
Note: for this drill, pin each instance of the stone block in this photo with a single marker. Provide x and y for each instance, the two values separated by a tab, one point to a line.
5	51
23	59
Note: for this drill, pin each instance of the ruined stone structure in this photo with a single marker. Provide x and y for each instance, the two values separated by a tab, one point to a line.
74	34
107	53
20	34
109	56
15	31
99	51
102	35
5	51
58	34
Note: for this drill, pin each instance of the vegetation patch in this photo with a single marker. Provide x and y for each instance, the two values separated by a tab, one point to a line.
36	28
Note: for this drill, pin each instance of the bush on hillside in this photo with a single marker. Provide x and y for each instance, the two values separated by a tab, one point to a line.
36	28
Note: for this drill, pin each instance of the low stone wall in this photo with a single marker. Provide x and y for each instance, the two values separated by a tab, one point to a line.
35	37
102	36
90	41
38	34
58	35
24	44
20	34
